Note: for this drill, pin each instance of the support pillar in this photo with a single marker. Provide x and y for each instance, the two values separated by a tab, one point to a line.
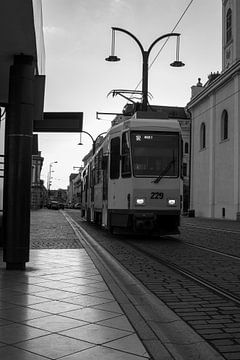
18	163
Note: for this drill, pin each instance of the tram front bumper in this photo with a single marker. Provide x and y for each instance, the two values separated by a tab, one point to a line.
145	221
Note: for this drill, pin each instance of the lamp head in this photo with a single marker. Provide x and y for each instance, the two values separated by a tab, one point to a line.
112	58
177	63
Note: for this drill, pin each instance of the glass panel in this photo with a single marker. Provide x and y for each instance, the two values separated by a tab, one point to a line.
126	164
229	26
202	136
155	153
115	158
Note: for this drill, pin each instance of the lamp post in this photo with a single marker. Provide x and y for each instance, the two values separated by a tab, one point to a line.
77	168
93	141
50	176
145	57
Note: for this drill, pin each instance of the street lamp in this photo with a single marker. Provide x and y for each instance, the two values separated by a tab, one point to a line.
93	141
50	174
145	57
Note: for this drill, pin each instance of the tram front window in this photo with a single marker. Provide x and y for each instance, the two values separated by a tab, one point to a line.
152	152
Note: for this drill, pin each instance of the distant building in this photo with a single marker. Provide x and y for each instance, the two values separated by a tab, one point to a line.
215	112
70	189
76	196
37	191
59	195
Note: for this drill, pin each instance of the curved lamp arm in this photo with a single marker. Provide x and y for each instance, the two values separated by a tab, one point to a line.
138	42
105	132
132	36
160	38
85	132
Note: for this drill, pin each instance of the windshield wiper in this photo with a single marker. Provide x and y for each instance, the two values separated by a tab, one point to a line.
164	172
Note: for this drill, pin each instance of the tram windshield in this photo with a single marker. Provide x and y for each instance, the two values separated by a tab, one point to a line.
155	154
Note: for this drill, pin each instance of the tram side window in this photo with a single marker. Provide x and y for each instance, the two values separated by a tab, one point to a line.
92	170
126	164
98	164
114	158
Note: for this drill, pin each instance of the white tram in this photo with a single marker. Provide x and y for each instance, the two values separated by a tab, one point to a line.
133	181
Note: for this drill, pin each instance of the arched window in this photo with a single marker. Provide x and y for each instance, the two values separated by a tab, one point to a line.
186	148
224	125
202	136
229	25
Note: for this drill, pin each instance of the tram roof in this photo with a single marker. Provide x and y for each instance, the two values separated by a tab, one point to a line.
147	124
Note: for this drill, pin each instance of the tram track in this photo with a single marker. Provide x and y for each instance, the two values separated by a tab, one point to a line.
212	251
198	279
205	248
208	228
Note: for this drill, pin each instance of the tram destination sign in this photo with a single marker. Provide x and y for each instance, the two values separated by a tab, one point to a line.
59	122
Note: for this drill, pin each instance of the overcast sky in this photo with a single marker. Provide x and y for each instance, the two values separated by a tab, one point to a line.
77	36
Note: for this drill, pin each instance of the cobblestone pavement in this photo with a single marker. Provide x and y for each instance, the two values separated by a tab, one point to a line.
50	230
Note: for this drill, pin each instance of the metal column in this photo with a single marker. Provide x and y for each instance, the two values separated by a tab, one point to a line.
18	163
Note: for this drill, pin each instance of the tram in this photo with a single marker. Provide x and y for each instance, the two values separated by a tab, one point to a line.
133	181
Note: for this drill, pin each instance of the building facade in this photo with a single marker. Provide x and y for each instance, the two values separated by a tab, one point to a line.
37	200
71	190
59	195
215	113
37	188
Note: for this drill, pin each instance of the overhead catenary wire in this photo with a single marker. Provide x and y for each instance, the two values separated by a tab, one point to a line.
165	42
178	22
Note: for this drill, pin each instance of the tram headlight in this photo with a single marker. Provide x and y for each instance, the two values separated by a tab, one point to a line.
171	202
140	201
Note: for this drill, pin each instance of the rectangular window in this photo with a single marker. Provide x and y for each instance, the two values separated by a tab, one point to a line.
126	164
98	166
115	158
155	153
95	170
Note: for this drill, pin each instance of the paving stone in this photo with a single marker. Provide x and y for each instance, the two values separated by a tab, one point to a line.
232	356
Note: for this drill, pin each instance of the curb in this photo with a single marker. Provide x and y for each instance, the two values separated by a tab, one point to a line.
165	335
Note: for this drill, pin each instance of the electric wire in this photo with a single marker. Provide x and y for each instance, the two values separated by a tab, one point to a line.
165	42
178	22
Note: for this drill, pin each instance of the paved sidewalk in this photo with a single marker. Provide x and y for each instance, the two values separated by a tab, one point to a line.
60	306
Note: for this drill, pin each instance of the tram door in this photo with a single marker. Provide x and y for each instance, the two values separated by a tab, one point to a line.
105	176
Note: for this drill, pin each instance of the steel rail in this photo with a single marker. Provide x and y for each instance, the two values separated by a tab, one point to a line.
207	249
213	251
210	228
188	274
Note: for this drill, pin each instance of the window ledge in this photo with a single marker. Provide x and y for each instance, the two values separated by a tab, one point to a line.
224	140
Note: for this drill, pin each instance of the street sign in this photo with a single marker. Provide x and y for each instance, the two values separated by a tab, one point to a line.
59	122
